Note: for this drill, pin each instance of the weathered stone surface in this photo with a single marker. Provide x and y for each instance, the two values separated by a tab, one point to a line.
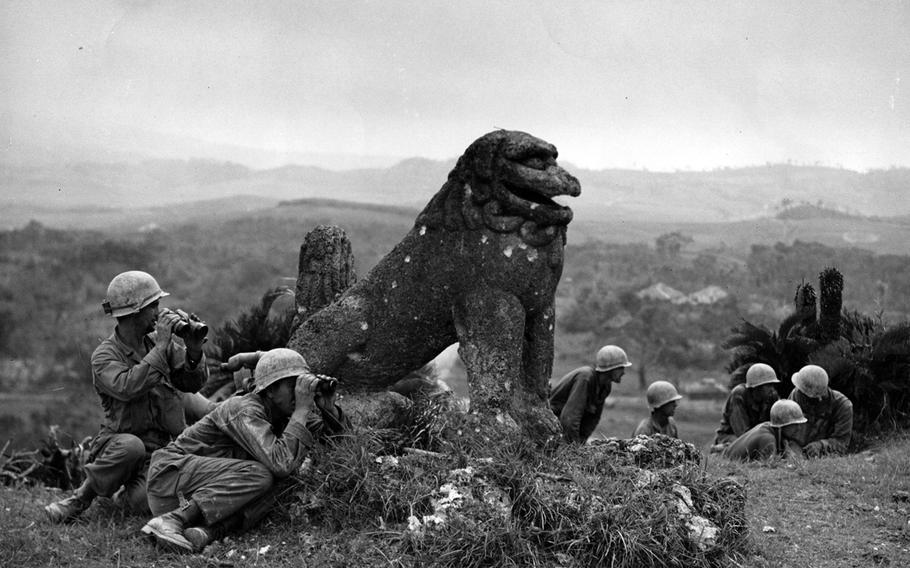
325	269
479	267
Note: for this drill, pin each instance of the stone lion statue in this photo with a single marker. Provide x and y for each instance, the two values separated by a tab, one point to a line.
480	267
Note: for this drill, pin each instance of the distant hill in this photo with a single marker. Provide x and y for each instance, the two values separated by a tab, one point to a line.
810	211
349	206
715	196
158	182
731	194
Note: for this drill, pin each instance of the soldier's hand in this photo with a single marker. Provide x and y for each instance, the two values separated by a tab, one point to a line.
327	392
240	361
164	327
813	449
193	341
305	392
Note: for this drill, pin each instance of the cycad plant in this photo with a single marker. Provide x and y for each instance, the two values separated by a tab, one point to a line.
785	350
866	361
261	328
257	329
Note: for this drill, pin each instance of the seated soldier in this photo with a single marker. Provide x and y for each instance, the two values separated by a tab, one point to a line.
147	380
747	405
777	437
231	458
662	397
829	413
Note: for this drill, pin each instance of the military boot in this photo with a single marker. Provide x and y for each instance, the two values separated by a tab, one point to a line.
200	537
167	531
67	509
204	536
71	507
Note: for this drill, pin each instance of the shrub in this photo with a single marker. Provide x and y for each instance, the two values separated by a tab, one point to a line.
512	503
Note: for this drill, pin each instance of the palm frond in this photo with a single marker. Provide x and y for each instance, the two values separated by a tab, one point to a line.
257	329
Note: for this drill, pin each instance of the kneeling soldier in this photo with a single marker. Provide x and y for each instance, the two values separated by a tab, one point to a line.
147	380
778	437
747	405
231	458
829	413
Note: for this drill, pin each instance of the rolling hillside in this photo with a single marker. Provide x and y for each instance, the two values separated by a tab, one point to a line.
680	197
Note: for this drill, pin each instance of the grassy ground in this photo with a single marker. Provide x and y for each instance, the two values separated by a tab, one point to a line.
696	420
849	511
833	512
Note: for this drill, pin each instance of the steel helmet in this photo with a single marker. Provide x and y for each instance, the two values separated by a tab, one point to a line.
660	393
278	364
786	412
611	357
760	374
131	291
812	381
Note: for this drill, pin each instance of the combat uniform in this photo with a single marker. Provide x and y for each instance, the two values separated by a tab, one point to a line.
578	400
145	401
760	442
232	456
829	421
649	427
742	411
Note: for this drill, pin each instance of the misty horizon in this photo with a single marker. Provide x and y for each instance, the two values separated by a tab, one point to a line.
30	154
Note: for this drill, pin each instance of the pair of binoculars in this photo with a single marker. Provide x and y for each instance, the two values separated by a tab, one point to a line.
326	385
190	327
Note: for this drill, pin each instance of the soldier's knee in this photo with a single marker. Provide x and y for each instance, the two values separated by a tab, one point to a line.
133	448
260	475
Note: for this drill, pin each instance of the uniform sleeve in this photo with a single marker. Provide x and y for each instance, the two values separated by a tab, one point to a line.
120	379
574	409
643	428
842	428
326	424
195	406
752	445
724	434
183	375
739	417
792	449
737	450
281	455
673	430
764	449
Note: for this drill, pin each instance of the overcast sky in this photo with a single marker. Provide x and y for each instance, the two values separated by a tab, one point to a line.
657	85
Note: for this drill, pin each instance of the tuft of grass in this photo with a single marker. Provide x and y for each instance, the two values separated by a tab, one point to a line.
514	504
844	511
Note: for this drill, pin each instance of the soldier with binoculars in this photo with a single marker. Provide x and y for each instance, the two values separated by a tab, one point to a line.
218	475
147	382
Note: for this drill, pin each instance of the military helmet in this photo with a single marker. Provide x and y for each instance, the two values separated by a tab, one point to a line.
660	393
760	374
611	357
131	291
786	412
277	364
812	381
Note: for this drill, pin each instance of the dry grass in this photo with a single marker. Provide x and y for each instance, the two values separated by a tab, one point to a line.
831	512
567	507
515	504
